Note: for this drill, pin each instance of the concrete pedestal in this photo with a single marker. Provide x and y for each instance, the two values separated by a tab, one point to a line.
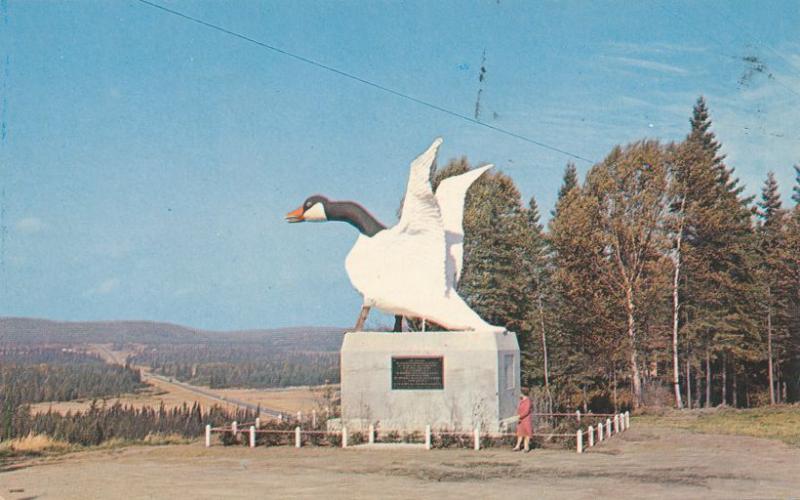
448	380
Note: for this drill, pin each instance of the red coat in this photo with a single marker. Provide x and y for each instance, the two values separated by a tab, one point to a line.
525	424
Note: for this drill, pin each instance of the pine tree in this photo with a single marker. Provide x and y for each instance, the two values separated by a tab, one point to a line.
494	246
568	183
770	204
535	355
773	274
586	336
793	302
701	133
718	252
796	188
570	180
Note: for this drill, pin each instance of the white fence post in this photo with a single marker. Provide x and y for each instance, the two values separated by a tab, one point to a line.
578	416
300	416
297	442
608	427
371	434
208	436
616	424
258	422
427	437
234	428
344	437
591	436
314	419
600	432
252	436
579	440
627	420
478	437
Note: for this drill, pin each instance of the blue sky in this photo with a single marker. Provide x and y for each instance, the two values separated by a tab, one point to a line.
147	161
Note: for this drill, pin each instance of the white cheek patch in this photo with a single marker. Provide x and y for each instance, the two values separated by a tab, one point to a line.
315	213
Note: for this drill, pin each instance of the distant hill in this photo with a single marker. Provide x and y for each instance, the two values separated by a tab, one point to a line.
310	338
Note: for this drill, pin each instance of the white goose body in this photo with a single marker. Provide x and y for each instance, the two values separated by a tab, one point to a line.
413	268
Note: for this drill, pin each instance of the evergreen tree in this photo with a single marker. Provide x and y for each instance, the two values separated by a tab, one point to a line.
568	183
770	204
719	258
793	278
796	187
585	352
494	246
570	180
535	354
773	274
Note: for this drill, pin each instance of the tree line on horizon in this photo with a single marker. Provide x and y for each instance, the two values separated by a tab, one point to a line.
38	373
101	423
656	280
35	374
252	365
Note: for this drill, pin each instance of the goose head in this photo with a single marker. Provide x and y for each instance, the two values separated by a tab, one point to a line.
320	209
312	210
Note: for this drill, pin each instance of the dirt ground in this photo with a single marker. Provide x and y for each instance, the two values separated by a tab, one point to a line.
647	461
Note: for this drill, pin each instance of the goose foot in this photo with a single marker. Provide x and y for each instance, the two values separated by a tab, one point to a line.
398	323
362	318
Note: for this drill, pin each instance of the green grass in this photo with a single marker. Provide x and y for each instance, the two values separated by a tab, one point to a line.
779	422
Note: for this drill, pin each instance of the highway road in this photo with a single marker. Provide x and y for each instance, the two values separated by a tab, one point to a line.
210	395
116	358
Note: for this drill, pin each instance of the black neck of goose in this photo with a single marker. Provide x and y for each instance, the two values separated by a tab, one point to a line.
354	214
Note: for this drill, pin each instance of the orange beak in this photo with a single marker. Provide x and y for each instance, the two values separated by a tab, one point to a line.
295	215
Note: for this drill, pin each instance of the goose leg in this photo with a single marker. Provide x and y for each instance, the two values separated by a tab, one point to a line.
362	318
398	323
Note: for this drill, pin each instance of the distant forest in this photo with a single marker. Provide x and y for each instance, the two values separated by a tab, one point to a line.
35	373
656	280
32	374
102	423
239	365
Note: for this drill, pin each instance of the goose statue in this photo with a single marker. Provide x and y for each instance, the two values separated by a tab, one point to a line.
411	269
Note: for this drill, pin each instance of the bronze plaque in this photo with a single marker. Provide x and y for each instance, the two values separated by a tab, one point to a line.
424	373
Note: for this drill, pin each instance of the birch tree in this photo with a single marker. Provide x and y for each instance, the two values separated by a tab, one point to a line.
630	188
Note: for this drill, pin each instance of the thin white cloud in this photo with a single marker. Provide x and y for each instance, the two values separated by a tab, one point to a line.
105	287
647	64
654	47
30	225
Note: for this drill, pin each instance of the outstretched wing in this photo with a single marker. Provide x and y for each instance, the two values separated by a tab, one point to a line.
422	219
450	197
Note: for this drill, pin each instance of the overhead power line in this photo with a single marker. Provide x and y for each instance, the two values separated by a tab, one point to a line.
364	81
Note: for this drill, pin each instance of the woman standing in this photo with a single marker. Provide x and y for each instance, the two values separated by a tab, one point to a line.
525	424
